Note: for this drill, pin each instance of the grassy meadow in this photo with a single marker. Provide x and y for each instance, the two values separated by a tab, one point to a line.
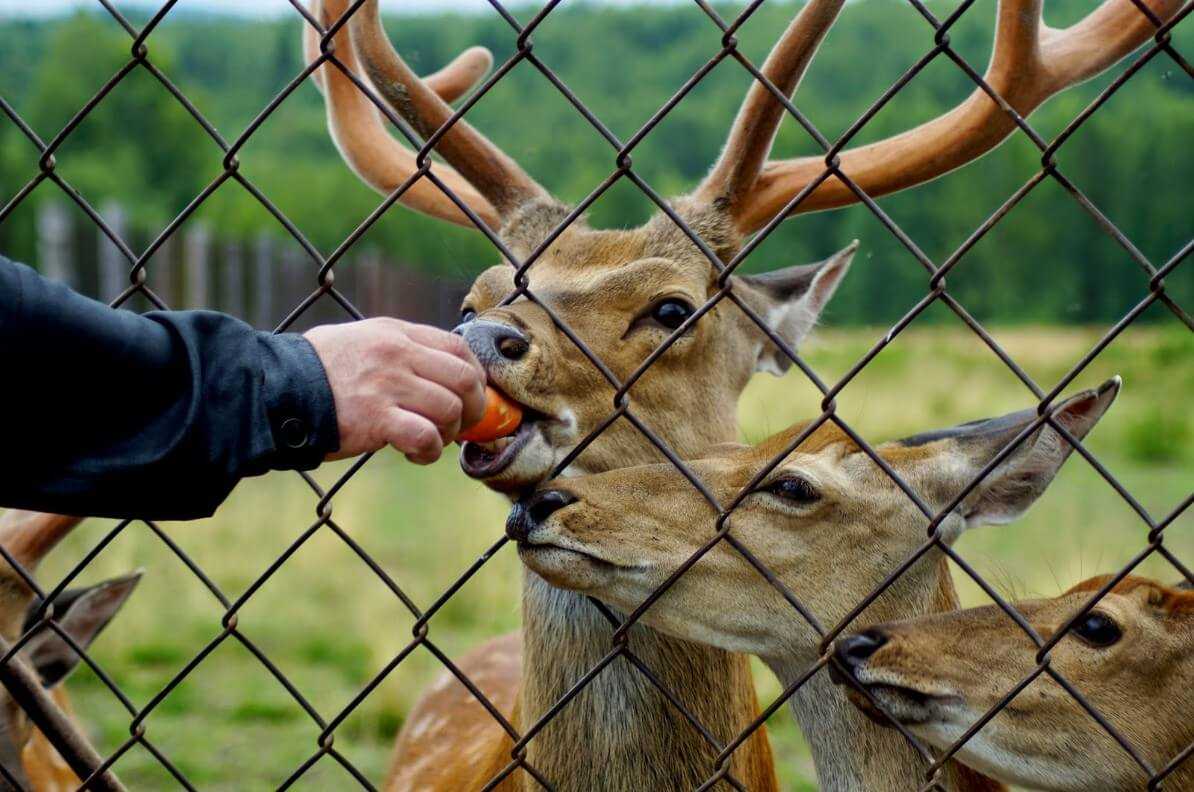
331	624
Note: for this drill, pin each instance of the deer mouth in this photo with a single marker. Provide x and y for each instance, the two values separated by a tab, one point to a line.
488	460
570	567
909	706
529	550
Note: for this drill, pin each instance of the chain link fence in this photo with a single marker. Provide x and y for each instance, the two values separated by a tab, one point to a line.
323	286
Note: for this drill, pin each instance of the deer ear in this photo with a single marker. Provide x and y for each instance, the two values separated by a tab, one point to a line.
1007	491
790	301
81	613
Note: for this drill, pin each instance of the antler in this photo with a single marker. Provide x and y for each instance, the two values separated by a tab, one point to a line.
28	536
1031	62
749	142
486	166
485	178
360	134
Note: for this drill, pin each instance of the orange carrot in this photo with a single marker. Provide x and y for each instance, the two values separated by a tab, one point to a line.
501	418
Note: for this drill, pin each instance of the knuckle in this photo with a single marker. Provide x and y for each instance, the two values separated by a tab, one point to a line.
453	410
457	345
466	377
427	439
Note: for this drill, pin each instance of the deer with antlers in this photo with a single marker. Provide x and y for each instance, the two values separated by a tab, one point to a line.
1131	655
824	520
624	293
27	756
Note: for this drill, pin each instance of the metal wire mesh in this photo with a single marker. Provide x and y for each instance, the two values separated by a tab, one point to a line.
323	285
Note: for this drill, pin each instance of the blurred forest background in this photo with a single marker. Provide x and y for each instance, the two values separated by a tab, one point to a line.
1047	262
331	625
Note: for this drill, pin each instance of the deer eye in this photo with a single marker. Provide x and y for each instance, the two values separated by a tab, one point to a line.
467	315
1098	630
671	313
794	489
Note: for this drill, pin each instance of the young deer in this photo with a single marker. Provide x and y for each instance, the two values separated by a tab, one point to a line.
1131	656
623	292
25	753
827	522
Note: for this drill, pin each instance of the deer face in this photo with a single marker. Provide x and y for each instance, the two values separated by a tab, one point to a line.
1132	657
602	283
827	522
623	293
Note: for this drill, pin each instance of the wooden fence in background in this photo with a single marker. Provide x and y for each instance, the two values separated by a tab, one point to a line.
259	279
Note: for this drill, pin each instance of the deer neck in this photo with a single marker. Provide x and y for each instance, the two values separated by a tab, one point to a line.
851	753
620	733
620	729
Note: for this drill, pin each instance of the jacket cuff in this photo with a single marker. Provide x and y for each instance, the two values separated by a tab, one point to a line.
298	401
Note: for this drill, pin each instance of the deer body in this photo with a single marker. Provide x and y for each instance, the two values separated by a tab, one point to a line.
81	613
826	521
1131	656
45	769
624	293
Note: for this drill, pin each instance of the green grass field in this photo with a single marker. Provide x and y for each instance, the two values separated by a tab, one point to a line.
330	624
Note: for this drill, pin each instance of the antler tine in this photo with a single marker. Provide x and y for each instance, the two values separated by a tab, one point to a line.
484	165
755	127
360	134
1030	63
451	82
28	536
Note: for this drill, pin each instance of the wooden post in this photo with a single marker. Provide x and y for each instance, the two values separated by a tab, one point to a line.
113	266
232	281
293	284
263	286
370	291
54	242
162	272
197	251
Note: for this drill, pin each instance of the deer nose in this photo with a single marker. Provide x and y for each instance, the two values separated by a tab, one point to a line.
533	510
494	342
854	650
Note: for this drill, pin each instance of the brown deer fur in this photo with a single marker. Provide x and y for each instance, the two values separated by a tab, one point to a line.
600	283
621	534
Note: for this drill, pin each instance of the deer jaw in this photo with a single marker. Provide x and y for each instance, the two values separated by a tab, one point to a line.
939	674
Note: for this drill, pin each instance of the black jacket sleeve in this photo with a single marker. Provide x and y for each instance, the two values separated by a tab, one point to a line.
111	413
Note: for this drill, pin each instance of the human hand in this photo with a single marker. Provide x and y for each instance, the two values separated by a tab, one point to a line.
401	384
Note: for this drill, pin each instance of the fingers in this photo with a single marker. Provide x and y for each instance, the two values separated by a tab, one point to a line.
414	436
445	342
437	404
456	376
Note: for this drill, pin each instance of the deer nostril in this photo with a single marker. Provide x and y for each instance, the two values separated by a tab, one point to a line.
531	512
854	650
545	504
513	347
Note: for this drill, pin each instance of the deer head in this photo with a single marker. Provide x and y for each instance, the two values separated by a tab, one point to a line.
624	292
825	520
1131	656
81	613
